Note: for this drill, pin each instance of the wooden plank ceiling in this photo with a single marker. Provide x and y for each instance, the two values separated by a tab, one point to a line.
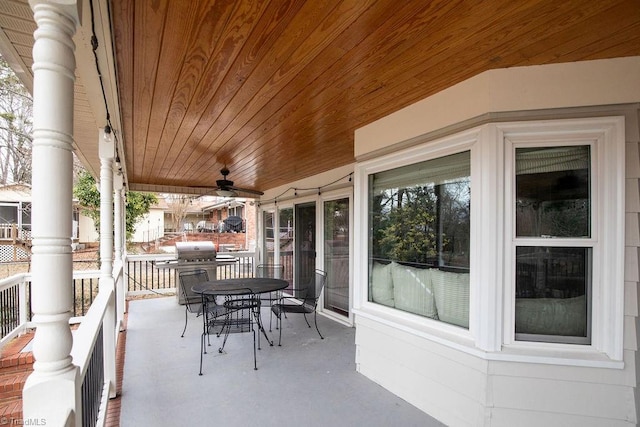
274	90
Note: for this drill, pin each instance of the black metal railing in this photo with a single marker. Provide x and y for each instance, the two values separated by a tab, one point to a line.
9	309
85	291
142	274
93	384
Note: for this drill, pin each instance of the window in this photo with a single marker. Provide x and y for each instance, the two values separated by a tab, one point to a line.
9	213
564	234
553	244
237	211
419	218
534	270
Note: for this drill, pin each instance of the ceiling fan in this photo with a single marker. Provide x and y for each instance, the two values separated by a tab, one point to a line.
225	187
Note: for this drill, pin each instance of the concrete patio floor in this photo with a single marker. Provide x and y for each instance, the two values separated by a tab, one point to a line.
306	382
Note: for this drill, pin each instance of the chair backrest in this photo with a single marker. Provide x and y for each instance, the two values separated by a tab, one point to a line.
275	271
314	289
187	280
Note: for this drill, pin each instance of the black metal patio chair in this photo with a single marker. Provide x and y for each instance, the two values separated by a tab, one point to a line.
242	314
192	301
275	271
303	301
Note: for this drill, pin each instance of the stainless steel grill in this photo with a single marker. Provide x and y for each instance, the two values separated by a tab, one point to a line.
196	252
192	256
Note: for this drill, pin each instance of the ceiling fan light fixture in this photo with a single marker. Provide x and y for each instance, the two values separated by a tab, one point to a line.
224	187
226	193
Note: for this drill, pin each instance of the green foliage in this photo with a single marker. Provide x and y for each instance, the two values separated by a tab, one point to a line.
422	224
407	232
88	196
137	205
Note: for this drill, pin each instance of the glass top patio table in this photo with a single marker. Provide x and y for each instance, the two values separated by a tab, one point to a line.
256	285
236	287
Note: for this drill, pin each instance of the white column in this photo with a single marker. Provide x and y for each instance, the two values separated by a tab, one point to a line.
118	212
107	153
50	392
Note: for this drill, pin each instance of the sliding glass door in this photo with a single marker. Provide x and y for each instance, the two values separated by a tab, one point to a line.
336	256
285	242
310	235
305	243
268	237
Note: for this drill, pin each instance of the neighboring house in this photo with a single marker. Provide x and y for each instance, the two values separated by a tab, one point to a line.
217	215
15	222
151	226
15	214
87	233
192	216
235	215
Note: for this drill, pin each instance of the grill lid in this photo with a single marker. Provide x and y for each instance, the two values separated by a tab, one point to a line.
196	251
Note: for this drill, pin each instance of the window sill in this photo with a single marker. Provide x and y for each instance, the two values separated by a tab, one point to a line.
460	339
556	354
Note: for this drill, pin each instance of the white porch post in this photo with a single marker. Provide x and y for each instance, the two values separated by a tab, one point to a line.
50	393
118	212
107	283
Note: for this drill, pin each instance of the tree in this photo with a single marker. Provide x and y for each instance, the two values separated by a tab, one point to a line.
137	204
178	205
407	231
16	128
423	224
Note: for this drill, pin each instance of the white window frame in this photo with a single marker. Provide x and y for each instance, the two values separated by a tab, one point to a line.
464	141
491	333
262	227
605	136
327	197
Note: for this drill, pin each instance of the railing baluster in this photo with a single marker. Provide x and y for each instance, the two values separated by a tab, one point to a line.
75	289
93	384
4	309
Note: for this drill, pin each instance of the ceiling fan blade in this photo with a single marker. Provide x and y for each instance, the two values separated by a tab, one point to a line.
246	190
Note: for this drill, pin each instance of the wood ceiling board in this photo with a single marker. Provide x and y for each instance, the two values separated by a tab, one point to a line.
123	13
199	79
221	70
303	56
145	69
17	8
231	146
567	40
306	80
165	94
275	56
321	88
254	115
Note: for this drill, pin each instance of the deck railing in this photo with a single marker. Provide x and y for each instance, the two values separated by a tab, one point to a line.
14	307
88	354
143	275
15	301
93	383
91	352
13	232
